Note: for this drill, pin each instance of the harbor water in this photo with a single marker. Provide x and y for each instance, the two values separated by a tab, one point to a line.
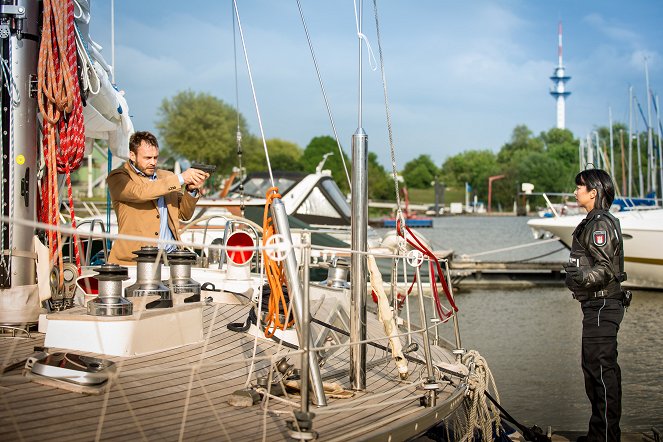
531	338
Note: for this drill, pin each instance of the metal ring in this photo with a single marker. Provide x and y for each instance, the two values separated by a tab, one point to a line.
277	247
415	258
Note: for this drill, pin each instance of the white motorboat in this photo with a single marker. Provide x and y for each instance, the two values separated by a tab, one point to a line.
643	241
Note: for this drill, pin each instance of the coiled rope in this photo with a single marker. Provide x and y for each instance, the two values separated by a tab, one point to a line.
274	272
59	100
480	413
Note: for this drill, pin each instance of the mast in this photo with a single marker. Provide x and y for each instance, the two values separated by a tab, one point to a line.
359	239
651	162
630	141
19	36
660	151
639	158
612	149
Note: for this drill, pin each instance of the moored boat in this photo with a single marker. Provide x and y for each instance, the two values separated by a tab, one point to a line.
643	236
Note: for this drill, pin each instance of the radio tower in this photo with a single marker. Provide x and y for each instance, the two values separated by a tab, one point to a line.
559	79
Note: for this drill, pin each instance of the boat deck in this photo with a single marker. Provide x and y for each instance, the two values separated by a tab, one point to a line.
182	394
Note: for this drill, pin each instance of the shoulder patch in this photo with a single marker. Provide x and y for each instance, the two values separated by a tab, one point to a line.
600	238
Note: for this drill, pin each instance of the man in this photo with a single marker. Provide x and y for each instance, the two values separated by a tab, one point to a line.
149	202
594	275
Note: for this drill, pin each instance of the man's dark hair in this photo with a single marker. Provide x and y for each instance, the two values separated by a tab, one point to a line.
139	137
599	180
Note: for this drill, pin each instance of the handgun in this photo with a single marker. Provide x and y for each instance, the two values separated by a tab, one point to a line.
207	168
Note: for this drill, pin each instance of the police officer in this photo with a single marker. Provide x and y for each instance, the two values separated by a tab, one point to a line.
594	273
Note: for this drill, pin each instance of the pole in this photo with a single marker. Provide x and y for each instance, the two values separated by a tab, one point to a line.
598	148
651	171
437	196
296	294
612	151
359	241
490	190
630	141
621	148
660	152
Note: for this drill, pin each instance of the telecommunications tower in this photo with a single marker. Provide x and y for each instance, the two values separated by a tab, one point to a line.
559	78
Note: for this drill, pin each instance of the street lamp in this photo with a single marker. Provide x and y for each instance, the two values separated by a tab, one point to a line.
490	189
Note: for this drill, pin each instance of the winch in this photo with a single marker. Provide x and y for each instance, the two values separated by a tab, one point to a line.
148	278
110	302
180	281
337	274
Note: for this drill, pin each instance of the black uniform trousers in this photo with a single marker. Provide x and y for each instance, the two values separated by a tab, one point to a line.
603	385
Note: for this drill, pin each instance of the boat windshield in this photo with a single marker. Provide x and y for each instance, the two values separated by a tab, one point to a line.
257	186
325	204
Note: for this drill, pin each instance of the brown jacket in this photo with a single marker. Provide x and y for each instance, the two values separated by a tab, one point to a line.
135	203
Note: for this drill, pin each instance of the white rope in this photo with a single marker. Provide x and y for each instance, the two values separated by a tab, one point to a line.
362	36
89	74
10	84
480	414
506	249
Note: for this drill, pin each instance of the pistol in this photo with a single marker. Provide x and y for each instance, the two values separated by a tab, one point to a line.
207	168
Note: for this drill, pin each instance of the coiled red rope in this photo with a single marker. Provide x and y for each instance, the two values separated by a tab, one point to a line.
59	100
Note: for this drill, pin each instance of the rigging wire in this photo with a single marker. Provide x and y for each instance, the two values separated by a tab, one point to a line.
239	131
253	90
324	94
392	150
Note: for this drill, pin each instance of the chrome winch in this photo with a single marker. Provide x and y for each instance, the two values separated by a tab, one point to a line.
337	274
148	278
180	281
110	302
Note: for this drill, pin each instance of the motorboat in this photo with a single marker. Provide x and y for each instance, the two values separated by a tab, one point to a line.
643	235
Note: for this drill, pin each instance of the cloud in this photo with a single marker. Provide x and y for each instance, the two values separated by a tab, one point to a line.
613	31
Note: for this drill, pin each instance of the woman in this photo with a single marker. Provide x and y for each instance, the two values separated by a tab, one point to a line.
594	275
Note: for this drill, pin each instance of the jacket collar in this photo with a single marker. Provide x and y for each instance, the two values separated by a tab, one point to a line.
140	172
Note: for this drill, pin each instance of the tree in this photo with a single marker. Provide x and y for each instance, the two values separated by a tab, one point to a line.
283	155
521	144
380	182
201	127
473	167
419	172
314	153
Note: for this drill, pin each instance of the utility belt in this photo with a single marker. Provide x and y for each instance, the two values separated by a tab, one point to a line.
624	296
586	296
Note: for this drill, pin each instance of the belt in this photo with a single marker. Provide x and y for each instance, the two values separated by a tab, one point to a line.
601	294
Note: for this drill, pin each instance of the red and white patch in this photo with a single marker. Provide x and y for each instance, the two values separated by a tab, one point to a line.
600	237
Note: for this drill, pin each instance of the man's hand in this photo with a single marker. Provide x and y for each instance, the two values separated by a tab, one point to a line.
194	177
575	273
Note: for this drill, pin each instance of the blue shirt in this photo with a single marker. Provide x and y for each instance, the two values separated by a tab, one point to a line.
165	234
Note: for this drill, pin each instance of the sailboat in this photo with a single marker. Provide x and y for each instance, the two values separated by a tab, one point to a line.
167	350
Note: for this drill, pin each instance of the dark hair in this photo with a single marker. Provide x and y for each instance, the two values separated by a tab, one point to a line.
599	180
139	137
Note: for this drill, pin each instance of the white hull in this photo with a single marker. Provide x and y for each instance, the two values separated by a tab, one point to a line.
643	243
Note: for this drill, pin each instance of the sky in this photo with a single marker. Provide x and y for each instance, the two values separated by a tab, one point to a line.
460	75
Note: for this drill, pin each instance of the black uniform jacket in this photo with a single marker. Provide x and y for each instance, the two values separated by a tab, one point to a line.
596	250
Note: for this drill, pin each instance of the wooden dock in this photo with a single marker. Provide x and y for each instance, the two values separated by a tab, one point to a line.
466	274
